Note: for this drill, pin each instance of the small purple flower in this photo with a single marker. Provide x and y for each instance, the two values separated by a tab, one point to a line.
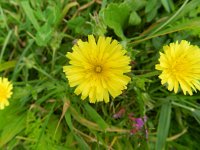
139	123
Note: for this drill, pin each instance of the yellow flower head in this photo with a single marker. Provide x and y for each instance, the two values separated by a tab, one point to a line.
5	92
97	69
180	65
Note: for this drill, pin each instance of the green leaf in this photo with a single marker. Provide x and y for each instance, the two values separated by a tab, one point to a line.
69	120
83	145
140	81
163	125
79	26
151	9
189	24
134	19
54	131
188	8
95	116
7	65
40	139
166	5
29	13
4	45
196	115
53	14
116	17
151	4
43	35
12	128
135	5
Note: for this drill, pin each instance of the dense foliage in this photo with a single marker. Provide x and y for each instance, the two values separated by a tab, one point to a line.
44	113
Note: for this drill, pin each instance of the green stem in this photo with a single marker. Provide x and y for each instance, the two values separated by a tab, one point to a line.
183	106
53	59
170	19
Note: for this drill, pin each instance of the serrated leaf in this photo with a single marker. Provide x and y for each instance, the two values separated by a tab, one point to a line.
116	17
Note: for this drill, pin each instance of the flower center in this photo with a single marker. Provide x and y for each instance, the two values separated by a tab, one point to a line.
98	69
178	66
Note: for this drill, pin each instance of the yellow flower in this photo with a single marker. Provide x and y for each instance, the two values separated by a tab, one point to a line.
97	69
180	65
5	92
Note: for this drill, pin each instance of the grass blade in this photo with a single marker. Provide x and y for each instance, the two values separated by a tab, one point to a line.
196	114
163	125
5	44
95	116
29	13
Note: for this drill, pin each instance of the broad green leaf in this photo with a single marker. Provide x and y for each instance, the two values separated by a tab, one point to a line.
7	65
116	17
134	19
163	125
12	128
95	116
135	5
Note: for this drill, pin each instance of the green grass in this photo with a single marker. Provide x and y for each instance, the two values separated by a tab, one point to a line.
44	113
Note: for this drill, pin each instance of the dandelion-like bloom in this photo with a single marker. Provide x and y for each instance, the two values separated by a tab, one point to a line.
5	92
180	65
97	69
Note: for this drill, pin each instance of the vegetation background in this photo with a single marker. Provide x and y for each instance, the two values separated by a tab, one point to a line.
45	114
